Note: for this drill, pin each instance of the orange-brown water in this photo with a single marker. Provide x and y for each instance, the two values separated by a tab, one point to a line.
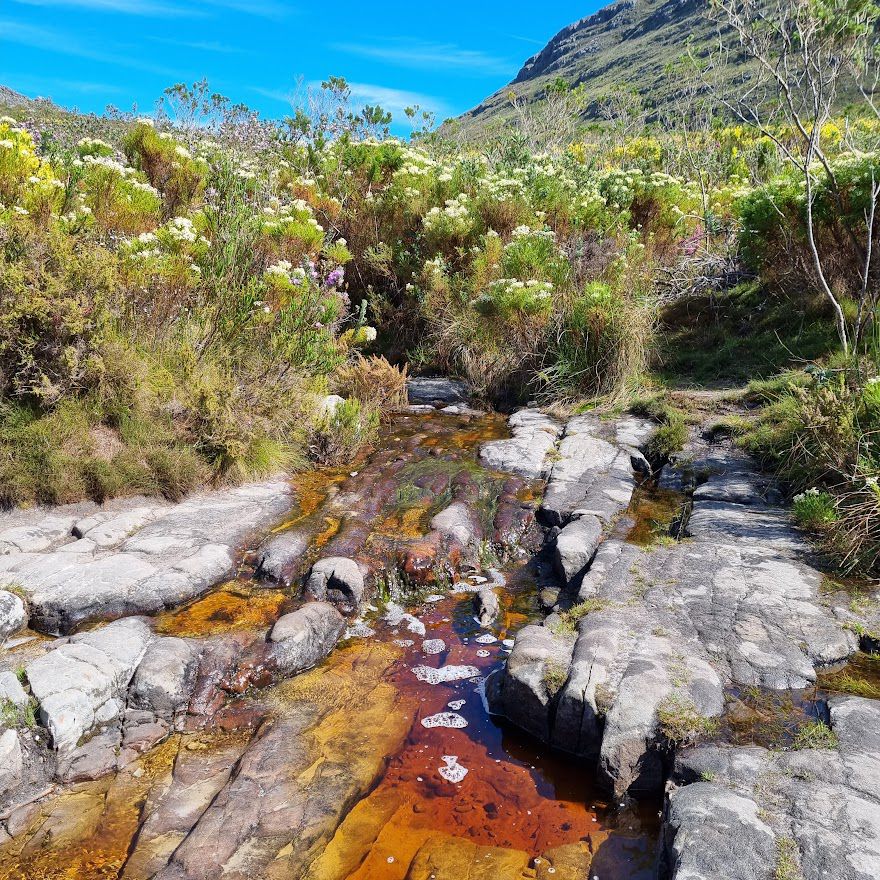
517	796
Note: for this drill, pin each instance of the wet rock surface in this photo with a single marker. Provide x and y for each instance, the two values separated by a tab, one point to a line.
287	729
132	560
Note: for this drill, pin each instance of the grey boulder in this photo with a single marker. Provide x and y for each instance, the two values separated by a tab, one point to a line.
13	615
337	579
302	638
166	676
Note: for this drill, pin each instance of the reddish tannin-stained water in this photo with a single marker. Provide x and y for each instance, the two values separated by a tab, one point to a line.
460	795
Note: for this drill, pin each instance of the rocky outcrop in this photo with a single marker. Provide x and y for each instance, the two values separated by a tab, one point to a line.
437	391
595	471
814	814
13	615
525	453
117	562
663	630
81	684
11	764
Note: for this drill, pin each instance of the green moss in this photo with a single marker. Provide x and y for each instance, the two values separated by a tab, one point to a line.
554	677
568	620
787	865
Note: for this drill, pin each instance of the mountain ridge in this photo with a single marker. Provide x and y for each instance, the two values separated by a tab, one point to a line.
628	42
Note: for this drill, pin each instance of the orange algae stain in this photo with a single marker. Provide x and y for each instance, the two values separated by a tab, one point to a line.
85	833
405	523
313	488
330	530
652	513
232	607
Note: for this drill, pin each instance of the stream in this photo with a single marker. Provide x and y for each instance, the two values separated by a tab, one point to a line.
438	778
382	761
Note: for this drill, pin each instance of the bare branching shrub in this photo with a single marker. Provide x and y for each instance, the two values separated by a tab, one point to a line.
373	381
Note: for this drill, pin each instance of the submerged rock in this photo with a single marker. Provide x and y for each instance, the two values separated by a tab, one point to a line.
486	606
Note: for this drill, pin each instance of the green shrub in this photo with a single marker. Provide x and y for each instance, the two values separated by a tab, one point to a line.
340	433
814	509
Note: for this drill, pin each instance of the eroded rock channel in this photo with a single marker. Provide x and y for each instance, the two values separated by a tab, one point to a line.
489	649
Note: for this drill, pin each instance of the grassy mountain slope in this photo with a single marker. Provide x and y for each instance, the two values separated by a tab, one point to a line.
628	43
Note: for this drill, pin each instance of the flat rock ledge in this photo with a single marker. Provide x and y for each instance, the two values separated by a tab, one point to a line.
742	813
84	563
659	632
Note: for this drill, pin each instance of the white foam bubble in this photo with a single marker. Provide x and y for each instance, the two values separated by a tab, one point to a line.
445	719
360	629
453	771
455	705
433	646
404	643
433	598
444	673
395	615
482	653
486	639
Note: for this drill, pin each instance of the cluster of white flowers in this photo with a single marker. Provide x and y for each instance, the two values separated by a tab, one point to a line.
454	218
88	143
281	269
540	289
107	162
182	229
810	493
528	232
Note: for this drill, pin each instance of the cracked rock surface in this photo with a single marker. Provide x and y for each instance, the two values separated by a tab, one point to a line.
123	560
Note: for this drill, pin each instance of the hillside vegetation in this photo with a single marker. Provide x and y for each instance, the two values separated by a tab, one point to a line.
179	293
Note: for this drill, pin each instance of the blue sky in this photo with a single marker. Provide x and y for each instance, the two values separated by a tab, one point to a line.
445	56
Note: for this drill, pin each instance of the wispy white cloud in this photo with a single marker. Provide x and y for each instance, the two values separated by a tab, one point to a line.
395	100
392	100
54	41
531	40
173	8
446	57
125	7
43	86
204	46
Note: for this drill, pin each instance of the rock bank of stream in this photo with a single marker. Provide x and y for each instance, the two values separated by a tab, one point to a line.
294	678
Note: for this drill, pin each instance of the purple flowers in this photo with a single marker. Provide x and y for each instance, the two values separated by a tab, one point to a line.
334	279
